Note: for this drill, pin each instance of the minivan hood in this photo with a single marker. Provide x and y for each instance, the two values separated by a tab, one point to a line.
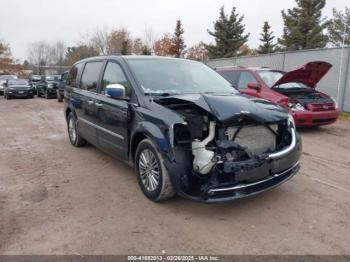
309	74
229	107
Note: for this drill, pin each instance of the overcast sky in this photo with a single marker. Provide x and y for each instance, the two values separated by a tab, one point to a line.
25	21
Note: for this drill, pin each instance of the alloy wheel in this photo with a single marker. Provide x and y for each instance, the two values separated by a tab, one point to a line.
72	130
149	170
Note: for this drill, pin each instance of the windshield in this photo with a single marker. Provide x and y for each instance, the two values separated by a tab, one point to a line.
53	78
18	82
177	76
271	77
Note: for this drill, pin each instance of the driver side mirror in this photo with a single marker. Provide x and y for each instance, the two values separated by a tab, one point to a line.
253	85
116	91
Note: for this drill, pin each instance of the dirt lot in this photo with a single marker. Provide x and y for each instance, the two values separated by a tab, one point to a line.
57	199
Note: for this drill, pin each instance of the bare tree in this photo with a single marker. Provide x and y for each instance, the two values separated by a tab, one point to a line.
137	46
58	53
39	54
149	37
99	41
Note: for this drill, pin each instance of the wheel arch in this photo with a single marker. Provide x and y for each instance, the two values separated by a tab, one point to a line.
146	130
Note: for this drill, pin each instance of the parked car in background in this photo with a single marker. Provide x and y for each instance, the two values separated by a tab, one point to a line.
294	90
61	87
18	88
3	80
33	80
182	126
47	86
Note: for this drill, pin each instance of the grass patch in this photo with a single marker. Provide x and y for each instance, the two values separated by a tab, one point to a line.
344	116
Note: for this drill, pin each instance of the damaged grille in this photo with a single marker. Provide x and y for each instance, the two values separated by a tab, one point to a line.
256	139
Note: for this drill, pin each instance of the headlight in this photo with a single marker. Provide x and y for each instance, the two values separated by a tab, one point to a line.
291	120
50	86
297	107
10	88
335	102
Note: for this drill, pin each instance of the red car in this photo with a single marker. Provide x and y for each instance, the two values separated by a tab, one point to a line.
295	90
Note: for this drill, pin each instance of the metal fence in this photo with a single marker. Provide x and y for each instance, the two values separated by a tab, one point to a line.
336	83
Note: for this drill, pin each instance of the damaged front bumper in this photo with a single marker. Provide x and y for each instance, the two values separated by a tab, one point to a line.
278	168
227	193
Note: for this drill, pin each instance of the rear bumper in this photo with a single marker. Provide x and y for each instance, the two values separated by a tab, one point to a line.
309	118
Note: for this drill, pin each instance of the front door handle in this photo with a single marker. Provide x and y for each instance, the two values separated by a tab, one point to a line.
90	102
98	104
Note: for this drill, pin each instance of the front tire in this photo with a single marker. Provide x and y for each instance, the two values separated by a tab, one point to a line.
46	94
38	93
152	176
74	137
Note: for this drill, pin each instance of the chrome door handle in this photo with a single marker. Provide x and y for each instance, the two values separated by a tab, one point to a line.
90	102
98	104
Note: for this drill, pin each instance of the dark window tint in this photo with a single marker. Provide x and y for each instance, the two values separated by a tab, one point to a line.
113	75
232	77
90	76
73	74
246	78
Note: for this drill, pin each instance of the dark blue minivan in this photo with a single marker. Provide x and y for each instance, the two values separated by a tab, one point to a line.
182	127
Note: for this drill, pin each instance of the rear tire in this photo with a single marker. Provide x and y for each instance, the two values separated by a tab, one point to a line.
74	137
152	176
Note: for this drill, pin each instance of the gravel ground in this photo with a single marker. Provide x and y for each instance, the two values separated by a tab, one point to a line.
57	199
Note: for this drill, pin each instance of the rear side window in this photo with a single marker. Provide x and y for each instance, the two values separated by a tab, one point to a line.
232	77
90	76
73	74
246	78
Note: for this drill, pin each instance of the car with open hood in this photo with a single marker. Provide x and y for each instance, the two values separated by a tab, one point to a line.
182	127
294	90
18	88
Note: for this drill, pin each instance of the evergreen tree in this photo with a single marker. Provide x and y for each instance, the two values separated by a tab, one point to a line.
146	50
229	35
339	27
267	45
125	50
178	40
304	26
